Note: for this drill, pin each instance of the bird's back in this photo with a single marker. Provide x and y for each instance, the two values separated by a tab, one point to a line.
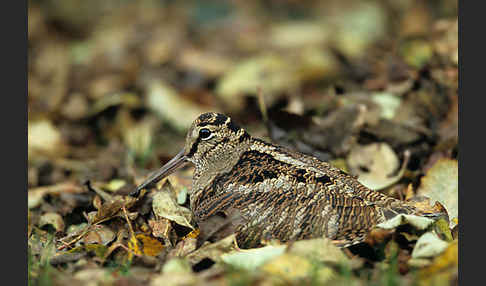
287	195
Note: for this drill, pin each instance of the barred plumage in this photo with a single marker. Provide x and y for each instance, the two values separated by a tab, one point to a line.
280	194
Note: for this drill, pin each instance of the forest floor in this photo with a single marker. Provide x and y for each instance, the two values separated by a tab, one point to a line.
113	86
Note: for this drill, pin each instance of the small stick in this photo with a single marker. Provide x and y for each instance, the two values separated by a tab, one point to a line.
261	104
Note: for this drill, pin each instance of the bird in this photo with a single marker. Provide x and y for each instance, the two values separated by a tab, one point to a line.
279	194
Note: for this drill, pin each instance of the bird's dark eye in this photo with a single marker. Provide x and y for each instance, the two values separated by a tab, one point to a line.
205	134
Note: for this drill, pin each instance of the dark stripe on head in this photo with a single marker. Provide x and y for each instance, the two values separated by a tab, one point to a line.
194	147
212	119
205	116
220	119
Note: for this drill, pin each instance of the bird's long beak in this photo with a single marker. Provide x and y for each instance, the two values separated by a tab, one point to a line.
163	172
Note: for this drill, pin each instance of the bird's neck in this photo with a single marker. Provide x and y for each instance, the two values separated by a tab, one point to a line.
209	168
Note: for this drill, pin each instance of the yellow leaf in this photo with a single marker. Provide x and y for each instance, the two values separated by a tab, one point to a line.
192	234
443	268
133	246
150	245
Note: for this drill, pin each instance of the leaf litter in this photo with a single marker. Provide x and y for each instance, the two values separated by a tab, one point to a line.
111	97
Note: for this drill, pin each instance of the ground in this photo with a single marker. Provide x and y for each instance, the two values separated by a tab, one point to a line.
369	86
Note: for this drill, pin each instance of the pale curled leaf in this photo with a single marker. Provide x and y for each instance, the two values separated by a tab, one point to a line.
44	138
418	222
376	165
53	219
165	206
441	184
428	245
253	258
320	249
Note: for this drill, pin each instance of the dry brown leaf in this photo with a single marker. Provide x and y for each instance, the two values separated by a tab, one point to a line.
99	234
35	195
213	250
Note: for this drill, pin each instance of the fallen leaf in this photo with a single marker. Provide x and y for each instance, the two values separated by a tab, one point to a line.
356	27
138	138
428	245
53	219
165	206
270	71
417	53
207	62
65	257
290	267
120	98
442	229
112	209
160	227
99	234
44	138
375	164
213	251
422	205
320	249
176	272
165	101
251	259
115	184
78	252
182	196
35	195
388	104
94	276
441	184
298	34
176	265
150	245
418	222
445	264
134	246
183	247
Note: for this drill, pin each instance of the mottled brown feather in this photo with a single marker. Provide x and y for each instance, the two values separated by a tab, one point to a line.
279	193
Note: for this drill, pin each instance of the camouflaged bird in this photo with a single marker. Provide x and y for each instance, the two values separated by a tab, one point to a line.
280	194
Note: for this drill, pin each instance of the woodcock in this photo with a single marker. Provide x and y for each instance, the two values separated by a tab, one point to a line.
280	194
